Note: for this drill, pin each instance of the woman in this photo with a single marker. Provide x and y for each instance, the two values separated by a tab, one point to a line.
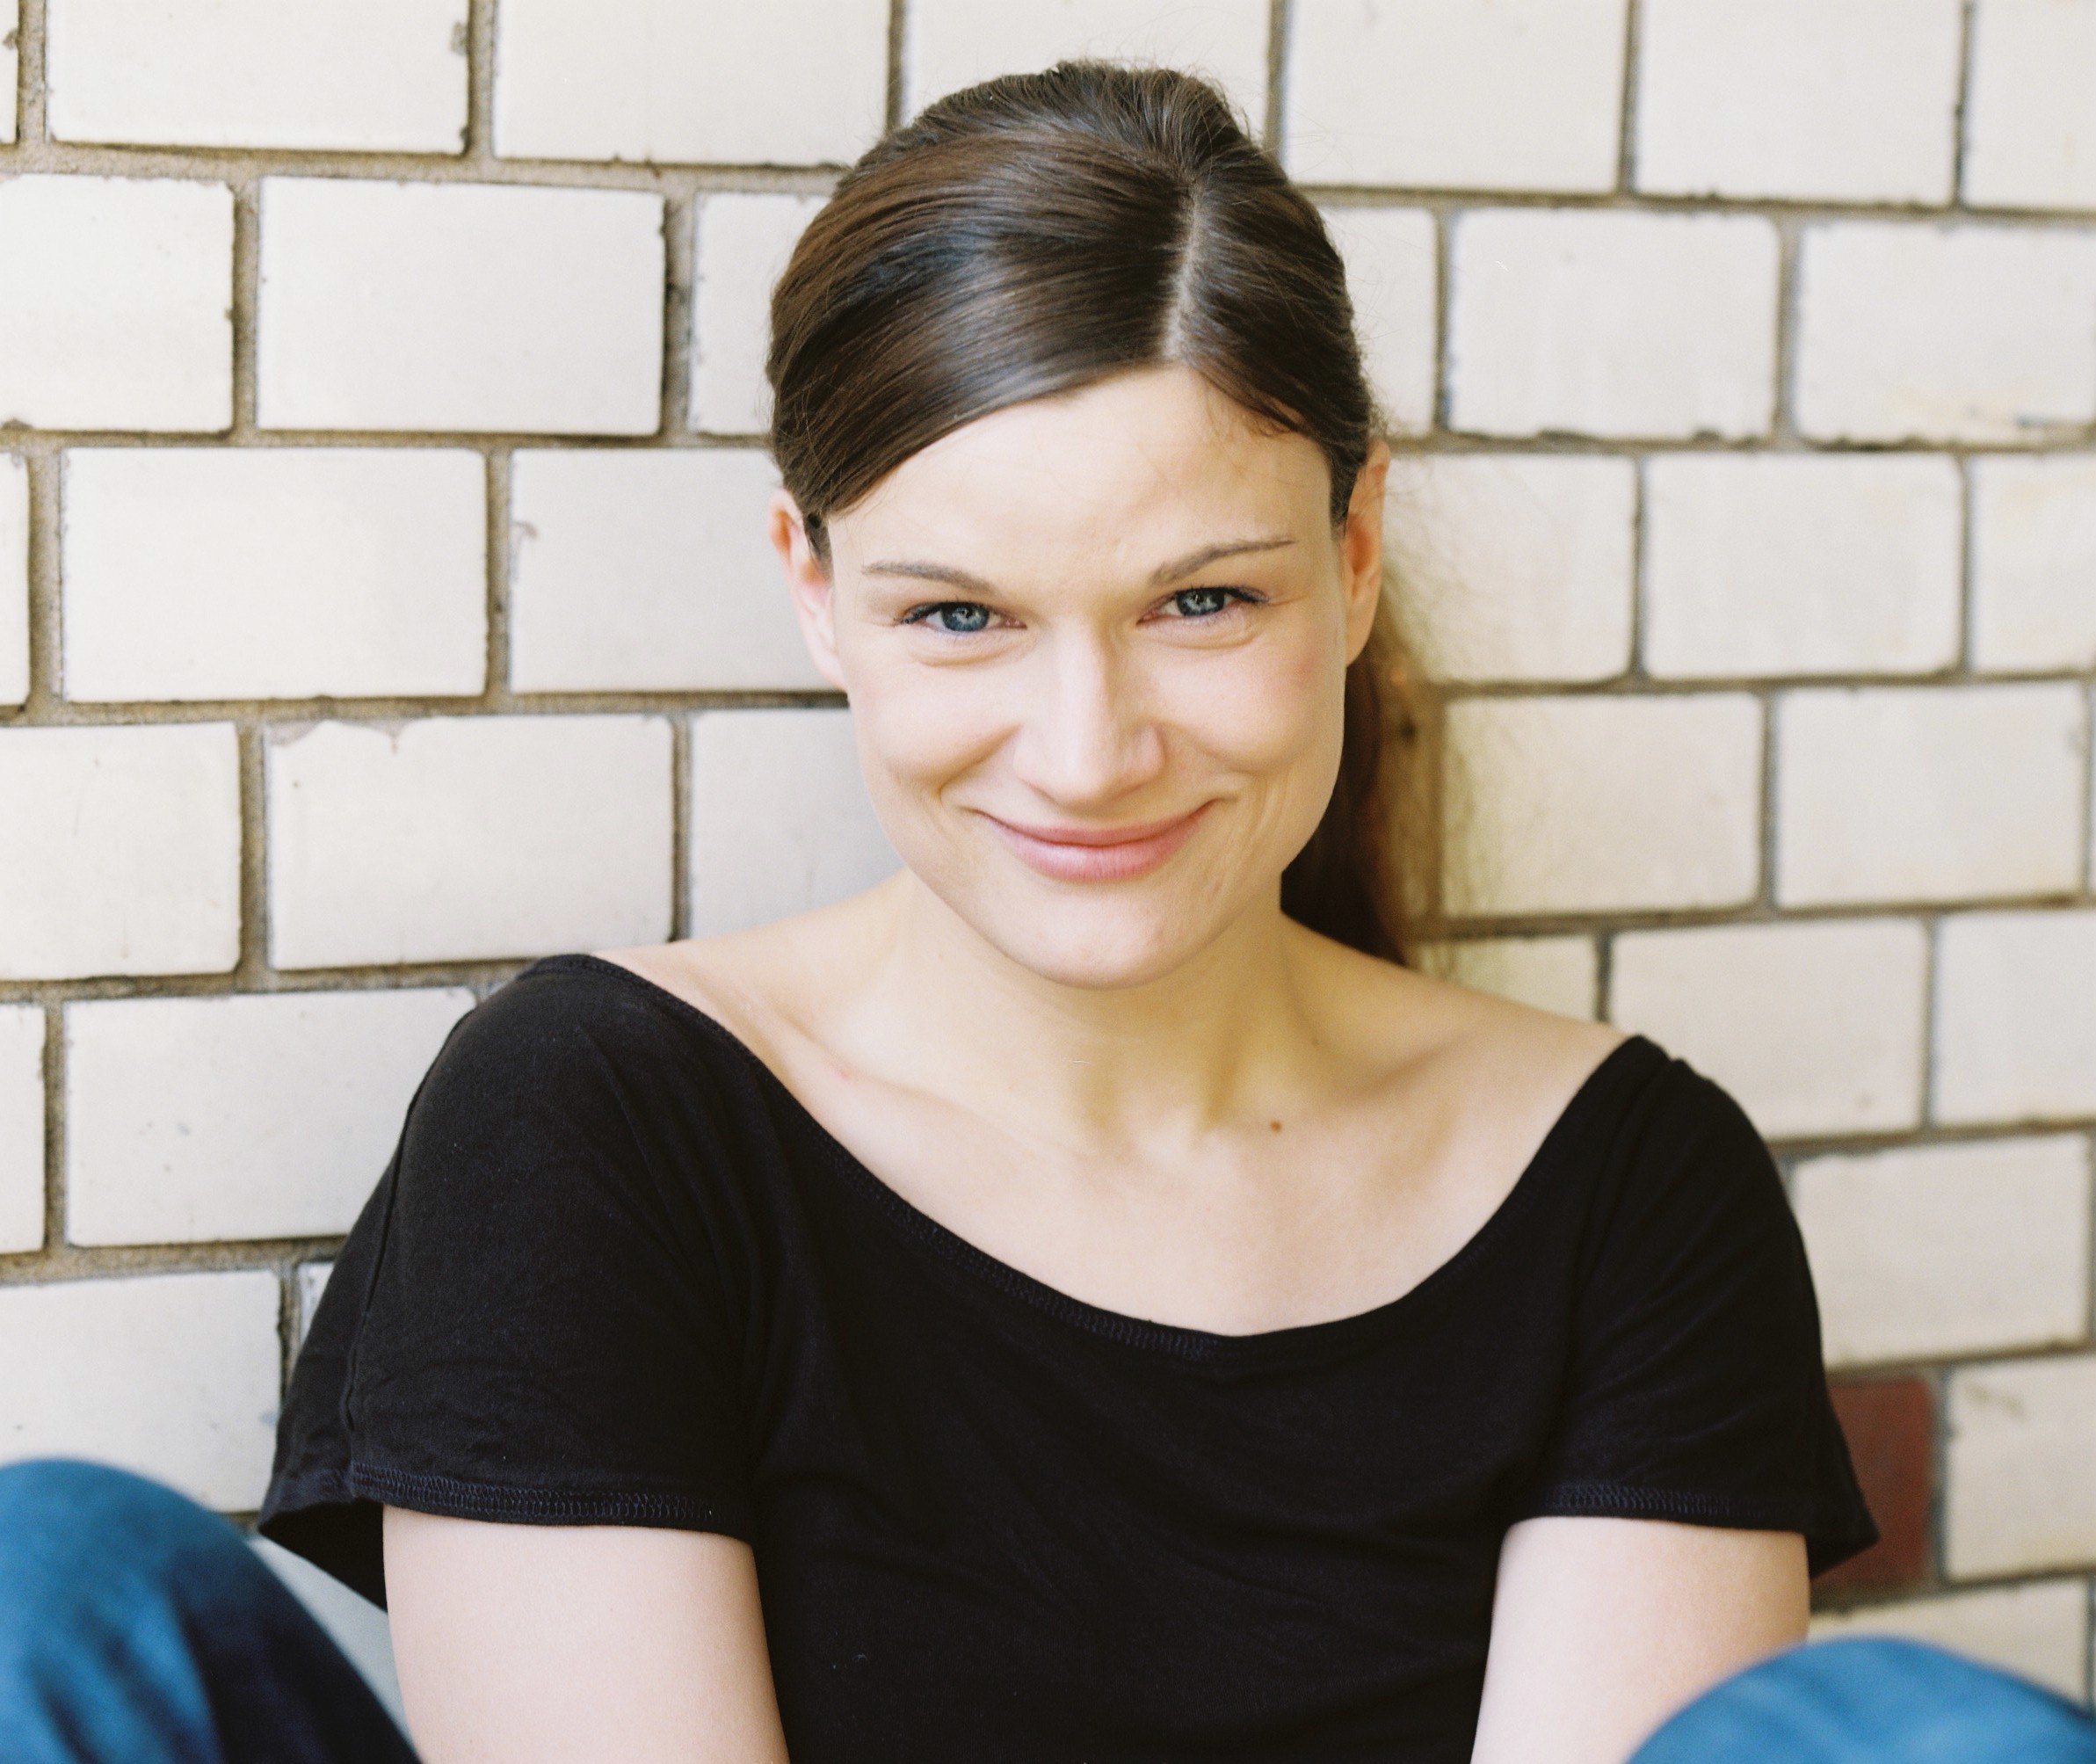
1083	1298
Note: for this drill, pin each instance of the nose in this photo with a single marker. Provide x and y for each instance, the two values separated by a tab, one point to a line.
1087	738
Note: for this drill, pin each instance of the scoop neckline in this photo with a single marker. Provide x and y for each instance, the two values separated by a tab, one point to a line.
1291	1340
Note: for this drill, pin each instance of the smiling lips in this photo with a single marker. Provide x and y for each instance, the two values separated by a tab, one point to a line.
1090	854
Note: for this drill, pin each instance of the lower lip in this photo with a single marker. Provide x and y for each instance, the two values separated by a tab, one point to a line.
1120	862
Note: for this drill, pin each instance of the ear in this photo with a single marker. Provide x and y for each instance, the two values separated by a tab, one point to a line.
808	582
1360	548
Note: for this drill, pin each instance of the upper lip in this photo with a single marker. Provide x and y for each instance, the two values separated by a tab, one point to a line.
1131	834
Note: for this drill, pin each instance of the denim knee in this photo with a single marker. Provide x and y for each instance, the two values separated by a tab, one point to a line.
68	1527
1874	1698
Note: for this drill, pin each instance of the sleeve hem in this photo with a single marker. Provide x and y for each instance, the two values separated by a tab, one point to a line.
454	1498
1827	1545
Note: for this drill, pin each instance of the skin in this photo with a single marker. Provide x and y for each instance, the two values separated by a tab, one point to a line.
1077	1029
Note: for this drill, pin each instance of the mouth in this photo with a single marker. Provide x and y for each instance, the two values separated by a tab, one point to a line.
1096	855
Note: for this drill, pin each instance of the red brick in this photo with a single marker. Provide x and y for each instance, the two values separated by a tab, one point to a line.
1891	1428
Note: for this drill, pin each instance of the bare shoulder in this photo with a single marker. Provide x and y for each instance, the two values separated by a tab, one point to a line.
1495	1073
767	985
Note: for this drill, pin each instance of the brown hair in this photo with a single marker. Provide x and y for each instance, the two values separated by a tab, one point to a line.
1040	232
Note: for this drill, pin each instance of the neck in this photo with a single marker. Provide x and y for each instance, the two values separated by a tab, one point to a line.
1219	1037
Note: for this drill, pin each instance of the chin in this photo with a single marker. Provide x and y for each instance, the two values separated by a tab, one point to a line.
1098	945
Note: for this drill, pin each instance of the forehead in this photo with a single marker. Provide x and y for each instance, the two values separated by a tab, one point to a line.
1149	464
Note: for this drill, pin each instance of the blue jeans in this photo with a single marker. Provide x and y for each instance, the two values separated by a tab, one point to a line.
135	1627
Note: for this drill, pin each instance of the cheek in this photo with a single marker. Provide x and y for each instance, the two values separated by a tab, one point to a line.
1271	712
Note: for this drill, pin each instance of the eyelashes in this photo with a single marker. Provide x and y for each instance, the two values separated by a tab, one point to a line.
970	618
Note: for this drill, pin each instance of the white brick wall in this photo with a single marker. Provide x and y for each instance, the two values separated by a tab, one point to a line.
1816	1027
744	240
2030	140
1930	1253
14	579
1673	780
2022	1437
460	838
289	572
1800	564
1393	272
387	75
393	606
423	306
1516	566
172	1375
1496	94
1797	98
950	43
2016	1017
662	80
1963	333
120	852
116	300
197	1120
21	1129
2033	562
637	571
1930	794
780	817
1614	324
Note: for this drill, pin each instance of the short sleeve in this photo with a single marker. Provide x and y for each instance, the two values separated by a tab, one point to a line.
538	1317
1695	1389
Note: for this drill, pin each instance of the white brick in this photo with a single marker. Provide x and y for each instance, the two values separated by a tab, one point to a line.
1489	95
313	1282
276	572
1515	566
14	579
1393	275
1589	804
671	81
1946	333
2016	1016
1549	973
1815	1028
780	822
9	66
119	851
648	571
1800	564
173	1376
200	1120
955	43
465	838
744	244
2039	1629
1855	102
2030	130
116	304
383	74
2020	1493
459	307
2033	562
21	1129
1945	1251
1612	323
1929	792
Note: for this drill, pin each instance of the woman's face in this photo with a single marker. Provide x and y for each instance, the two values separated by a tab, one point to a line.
1095	646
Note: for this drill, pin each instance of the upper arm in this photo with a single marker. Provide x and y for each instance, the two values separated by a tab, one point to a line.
1602	1627
529	1643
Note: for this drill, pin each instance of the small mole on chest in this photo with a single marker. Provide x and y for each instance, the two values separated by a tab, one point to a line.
1274	1125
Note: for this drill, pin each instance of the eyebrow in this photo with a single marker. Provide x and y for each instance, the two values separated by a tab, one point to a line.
1166	572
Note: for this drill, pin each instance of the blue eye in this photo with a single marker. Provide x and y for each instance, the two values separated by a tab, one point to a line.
1202	603
962	618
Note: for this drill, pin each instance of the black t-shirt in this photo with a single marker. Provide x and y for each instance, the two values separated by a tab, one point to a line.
615	1274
